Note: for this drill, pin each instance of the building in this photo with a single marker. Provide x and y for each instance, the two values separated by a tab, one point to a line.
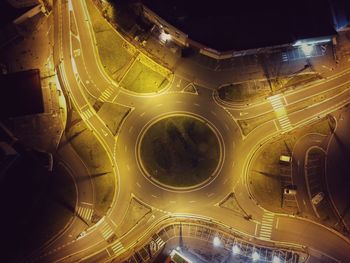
245	29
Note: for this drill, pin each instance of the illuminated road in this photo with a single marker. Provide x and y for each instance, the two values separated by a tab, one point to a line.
82	74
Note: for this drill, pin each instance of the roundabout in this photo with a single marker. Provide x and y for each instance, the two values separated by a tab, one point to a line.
179	152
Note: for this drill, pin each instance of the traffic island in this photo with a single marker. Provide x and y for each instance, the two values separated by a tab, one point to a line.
179	152
99	166
268	176
122	61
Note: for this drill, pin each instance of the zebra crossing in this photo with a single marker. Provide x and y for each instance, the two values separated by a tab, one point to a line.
106	230
159	242
87	114
85	213
266	226
117	247
106	94
280	111
284	57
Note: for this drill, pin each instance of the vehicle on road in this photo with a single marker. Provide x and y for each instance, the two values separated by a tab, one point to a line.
317	198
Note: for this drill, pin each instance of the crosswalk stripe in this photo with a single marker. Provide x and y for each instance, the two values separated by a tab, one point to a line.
106	230
87	114
117	247
85	212
277	105
160	242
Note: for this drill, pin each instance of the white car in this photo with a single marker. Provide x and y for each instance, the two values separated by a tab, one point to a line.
317	198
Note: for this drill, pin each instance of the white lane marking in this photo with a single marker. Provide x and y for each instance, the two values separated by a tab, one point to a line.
243	113
226	126
106	230
130	129
214	113
143	113
211	194
104	132
128	167
137	183
178	101
277	221
196	104
233	164
85	203
192	201
225	181
256	229
154	196
160	104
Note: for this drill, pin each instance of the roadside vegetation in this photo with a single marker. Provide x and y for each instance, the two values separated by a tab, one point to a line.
180	151
122	61
267	176
95	158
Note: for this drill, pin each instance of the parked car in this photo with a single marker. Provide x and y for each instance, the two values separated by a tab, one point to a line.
317	198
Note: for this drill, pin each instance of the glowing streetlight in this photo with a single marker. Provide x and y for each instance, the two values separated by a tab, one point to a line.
276	259
307	49
164	37
235	249
216	242
255	256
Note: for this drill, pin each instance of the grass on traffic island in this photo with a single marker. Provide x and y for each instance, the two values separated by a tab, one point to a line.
180	151
95	158
267	176
254	89
112	114
123	62
137	213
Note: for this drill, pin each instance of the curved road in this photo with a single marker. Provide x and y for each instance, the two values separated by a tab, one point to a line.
82	76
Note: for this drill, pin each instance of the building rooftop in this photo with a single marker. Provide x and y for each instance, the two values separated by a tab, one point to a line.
226	25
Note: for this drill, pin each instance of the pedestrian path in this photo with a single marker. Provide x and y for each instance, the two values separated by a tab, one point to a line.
280	111
86	114
106	230
106	94
85	212
117	247
266	226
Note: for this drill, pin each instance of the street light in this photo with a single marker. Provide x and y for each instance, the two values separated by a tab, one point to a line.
255	256
216	242
307	49
235	249
276	259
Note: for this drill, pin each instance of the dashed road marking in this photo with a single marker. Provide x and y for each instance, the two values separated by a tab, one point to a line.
106	230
